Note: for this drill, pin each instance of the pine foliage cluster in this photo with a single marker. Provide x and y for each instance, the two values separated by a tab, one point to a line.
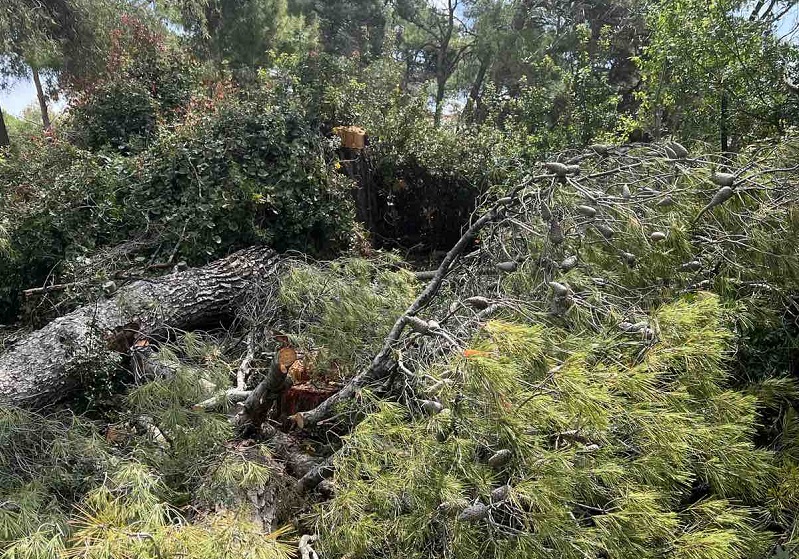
632	396
342	311
156	475
556	444
161	482
610	376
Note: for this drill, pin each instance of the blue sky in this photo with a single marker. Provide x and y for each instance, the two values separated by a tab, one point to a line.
19	96
22	94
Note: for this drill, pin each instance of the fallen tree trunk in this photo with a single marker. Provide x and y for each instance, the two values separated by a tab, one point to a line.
44	366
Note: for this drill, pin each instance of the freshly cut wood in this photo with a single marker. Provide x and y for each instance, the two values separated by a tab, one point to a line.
261	400
45	366
352	137
305	396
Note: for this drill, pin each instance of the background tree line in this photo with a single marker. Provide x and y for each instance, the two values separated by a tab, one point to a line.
709	69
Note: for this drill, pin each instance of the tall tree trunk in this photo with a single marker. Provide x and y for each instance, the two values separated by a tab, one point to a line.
42	99
441	82
43	367
4	139
474	94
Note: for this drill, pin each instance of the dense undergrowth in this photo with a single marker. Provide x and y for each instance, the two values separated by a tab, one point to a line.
609	371
152	475
635	396
632	396
616	448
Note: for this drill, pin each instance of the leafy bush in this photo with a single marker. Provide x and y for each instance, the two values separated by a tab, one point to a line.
716	75
119	114
243	174
147	80
232	174
51	194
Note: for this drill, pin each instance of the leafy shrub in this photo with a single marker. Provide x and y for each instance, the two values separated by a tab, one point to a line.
118	114
242	174
716	75
147	80
232	174
56	203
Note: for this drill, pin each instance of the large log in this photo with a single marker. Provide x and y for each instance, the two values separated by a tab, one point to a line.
45	366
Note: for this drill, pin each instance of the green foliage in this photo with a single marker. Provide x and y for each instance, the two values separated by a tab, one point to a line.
238	173
345	311
622	449
679	439
562	99
245	173
182	443
69	493
701	55
20	128
147	80
413	164
244	35
103	121
68	37
127	517
47	189
349	27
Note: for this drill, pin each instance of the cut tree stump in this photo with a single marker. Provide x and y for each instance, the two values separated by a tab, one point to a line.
45	366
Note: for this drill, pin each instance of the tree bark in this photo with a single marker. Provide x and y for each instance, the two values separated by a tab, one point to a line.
4	139
473	103
48	364
42	99
441	86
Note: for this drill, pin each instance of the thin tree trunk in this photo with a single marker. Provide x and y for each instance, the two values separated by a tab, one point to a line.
45	366
756	10
4	139
440	91
474	94
723	128
42	99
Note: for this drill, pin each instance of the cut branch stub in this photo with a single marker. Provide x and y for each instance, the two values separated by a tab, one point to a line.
557	168
474	513
260	402
477	302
